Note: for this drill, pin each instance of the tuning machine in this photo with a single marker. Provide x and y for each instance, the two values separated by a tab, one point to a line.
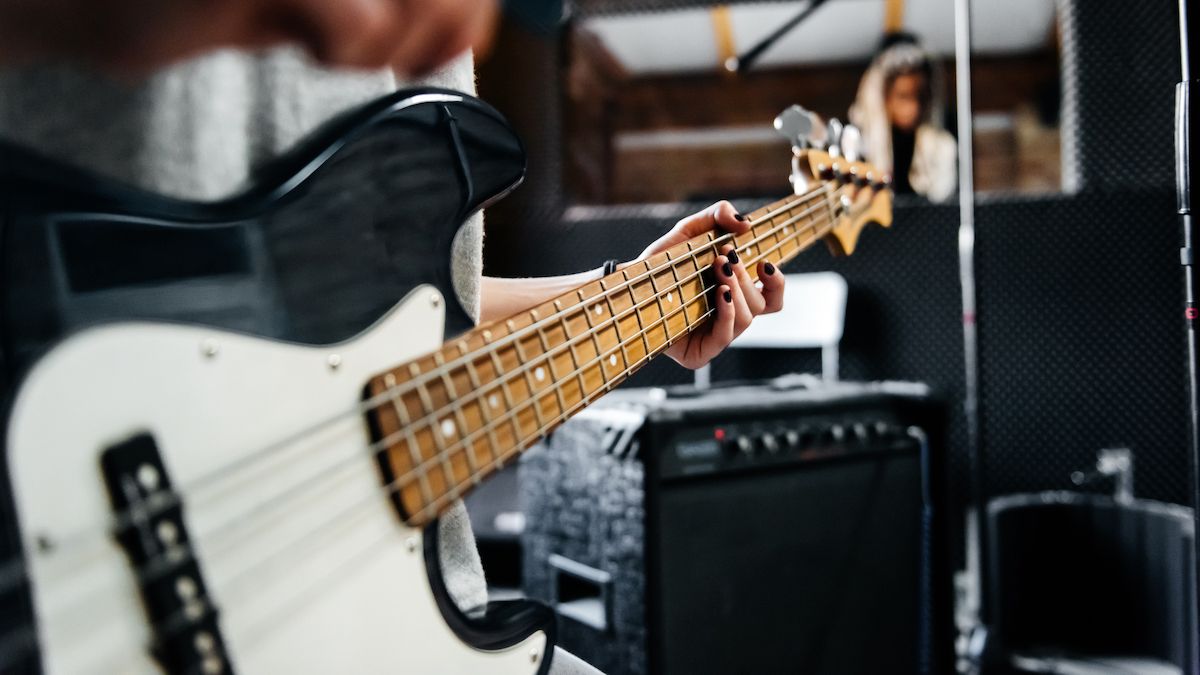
851	143
803	129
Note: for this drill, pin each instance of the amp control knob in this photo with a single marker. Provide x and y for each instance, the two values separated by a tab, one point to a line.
792	438
862	433
741	445
837	433
769	443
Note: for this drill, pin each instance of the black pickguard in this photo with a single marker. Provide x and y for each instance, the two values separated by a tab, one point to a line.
327	239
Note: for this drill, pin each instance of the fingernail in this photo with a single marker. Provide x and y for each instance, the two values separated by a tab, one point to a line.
769	268
732	255
739	216
728	296
727	269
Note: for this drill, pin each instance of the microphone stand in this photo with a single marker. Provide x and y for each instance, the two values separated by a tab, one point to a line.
1184	103
742	64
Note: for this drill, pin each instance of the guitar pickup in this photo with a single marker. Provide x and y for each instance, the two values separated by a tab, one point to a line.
149	526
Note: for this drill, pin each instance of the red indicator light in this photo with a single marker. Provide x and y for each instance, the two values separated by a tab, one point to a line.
719	434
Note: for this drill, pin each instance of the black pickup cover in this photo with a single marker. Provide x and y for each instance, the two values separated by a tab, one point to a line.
149	525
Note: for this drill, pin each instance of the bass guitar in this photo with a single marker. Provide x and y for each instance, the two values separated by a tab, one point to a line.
228	444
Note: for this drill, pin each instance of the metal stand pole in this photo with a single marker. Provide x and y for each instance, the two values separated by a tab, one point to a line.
977	549
1184	104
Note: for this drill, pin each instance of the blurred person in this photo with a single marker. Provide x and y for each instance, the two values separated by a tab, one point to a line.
185	98
899	111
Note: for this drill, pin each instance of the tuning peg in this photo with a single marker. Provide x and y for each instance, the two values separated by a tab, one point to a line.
796	125
834	137
851	144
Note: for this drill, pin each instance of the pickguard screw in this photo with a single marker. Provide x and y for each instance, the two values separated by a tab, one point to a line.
44	543
533	655
335	361
210	348
435	300
411	544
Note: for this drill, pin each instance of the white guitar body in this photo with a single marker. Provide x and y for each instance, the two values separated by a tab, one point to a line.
300	547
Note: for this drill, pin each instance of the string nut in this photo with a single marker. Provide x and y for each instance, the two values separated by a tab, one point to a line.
335	361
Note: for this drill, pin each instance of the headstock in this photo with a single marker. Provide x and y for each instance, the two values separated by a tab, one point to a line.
827	156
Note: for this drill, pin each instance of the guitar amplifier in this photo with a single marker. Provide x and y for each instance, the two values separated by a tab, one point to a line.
781	527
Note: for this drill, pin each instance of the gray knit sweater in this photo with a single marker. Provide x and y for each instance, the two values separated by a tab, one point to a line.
196	130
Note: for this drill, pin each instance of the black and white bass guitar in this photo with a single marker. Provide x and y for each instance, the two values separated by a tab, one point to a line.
232	426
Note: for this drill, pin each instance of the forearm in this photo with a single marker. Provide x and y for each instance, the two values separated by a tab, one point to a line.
501	298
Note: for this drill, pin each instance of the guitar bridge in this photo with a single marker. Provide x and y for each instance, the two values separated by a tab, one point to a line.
150	528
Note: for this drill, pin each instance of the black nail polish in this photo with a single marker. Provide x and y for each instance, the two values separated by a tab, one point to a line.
727	269
732	255
769	268
739	216
728	296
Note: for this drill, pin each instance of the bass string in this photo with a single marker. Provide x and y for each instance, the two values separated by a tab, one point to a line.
12	572
467	440
354	508
454	408
250	579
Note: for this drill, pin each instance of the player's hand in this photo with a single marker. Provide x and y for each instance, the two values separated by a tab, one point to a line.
736	297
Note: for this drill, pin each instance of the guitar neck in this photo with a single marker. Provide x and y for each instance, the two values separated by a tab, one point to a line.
452	418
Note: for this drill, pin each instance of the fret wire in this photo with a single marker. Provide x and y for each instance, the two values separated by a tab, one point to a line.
622	342
612	313
583	389
659	298
497	365
524	372
637	312
595	338
414	449
521	443
678	286
456	409
431	412
807	198
550	365
484	409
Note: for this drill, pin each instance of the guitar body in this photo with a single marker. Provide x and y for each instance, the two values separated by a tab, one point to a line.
219	352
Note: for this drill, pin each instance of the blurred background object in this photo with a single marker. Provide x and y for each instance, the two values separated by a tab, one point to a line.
633	120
